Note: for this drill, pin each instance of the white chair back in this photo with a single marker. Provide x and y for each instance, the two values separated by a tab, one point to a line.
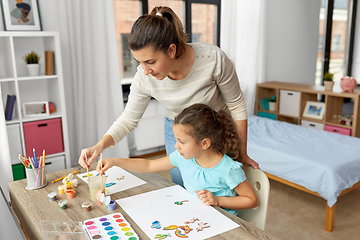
260	183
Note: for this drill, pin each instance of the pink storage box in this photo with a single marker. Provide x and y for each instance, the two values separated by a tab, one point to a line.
43	135
340	130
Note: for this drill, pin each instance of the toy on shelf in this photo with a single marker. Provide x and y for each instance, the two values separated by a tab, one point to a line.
346	120
348	84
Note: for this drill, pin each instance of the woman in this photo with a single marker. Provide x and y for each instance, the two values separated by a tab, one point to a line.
178	75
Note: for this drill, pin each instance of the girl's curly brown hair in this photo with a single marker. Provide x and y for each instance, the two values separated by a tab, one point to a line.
219	127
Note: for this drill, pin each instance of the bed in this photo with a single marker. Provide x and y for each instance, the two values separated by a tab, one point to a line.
321	163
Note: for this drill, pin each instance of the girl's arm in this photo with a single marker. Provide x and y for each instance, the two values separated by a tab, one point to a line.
135	164
247	197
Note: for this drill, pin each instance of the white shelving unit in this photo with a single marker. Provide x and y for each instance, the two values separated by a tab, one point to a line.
14	79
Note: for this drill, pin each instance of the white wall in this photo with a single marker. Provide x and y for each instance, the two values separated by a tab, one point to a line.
292	28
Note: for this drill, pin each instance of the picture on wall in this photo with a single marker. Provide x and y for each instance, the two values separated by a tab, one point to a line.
314	110
21	15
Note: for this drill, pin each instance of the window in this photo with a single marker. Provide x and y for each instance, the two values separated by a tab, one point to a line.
128	62
203	23
125	12
336	38
204	16
335	43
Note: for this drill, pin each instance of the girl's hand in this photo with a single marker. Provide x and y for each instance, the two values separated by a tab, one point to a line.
90	154
104	165
207	197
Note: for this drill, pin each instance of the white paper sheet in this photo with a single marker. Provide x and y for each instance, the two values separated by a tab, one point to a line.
129	180
160	206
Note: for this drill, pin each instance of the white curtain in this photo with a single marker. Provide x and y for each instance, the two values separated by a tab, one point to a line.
242	39
91	73
5	162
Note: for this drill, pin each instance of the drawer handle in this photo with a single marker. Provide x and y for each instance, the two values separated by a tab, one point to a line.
336	130
290	94
42	125
47	163
312	125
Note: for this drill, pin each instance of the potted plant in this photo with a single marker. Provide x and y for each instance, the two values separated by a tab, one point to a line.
328	81
272	103
32	61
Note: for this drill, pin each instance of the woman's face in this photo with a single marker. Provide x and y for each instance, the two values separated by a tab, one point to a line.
186	144
153	62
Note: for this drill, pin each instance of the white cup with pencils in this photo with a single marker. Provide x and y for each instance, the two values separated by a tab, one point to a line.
35	171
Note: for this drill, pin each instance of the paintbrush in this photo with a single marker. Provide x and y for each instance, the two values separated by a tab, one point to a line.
87	168
101	166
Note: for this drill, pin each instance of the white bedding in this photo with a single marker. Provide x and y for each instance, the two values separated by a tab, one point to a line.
323	162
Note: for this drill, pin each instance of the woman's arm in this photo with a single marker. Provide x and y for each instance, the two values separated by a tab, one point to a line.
135	164
229	87
94	152
127	121
242	131
246	197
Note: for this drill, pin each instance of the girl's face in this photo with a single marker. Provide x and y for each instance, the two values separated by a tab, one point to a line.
186	144
153	62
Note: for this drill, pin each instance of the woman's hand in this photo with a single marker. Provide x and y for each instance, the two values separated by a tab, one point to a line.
207	197
90	154
246	160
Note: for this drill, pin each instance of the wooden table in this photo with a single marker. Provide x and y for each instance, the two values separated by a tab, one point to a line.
31	206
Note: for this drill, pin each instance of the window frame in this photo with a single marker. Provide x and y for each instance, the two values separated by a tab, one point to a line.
188	16
329	9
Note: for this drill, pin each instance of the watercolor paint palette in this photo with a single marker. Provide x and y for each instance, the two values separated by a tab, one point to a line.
110	227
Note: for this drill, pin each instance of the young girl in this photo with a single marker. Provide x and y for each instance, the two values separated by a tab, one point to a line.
206	143
177	74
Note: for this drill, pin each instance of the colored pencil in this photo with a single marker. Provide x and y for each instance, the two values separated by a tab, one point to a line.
43	164
56	180
22	161
31	162
27	162
35	161
38	175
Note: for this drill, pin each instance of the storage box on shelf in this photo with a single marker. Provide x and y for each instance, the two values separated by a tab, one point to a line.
310	124
339	130
15	80
290	107
290	103
45	134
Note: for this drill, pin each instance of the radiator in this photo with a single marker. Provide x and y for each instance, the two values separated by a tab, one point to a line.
150	131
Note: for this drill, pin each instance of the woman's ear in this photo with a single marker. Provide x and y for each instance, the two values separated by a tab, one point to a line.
172	51
205	143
